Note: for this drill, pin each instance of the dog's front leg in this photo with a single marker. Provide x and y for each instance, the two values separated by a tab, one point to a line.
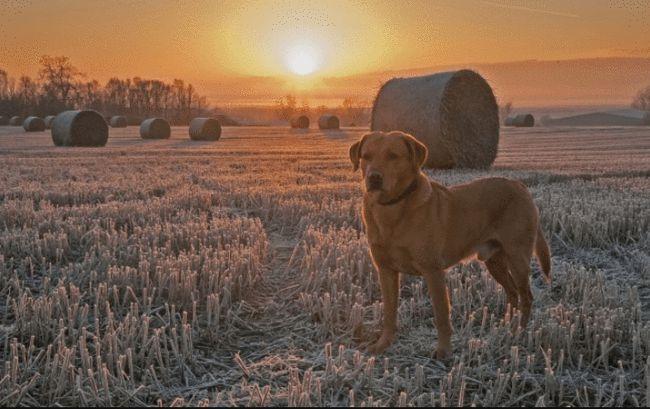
441	309
389	281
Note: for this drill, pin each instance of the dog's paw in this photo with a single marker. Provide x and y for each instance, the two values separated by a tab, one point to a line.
381	345
443	353
361	335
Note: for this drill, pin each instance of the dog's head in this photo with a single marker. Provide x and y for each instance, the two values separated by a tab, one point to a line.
388	161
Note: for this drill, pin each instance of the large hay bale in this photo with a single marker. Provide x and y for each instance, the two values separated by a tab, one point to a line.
79	128
328	122
301	122
48	121
4	120
155	128
205	129
119	121
33	124
455	114
522	120
16	121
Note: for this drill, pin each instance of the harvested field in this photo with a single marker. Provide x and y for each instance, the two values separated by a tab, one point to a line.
187	272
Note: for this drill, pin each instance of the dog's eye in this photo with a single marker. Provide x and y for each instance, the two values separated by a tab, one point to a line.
392	156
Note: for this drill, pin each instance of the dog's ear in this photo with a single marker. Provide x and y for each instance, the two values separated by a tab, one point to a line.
416	149
355	152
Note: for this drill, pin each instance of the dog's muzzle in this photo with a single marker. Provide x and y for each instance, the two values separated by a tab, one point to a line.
374	181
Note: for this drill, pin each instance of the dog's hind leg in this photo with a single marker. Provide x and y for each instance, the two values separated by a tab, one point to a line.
520	271
497	265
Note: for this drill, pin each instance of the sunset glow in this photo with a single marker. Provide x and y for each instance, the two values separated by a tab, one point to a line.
302	59
254	50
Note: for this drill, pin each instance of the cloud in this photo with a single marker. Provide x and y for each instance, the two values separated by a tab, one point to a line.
530	9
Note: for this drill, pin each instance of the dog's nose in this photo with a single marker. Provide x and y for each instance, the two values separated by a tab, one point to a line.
375	180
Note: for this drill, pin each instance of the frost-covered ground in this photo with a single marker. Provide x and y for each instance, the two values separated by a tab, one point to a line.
237	273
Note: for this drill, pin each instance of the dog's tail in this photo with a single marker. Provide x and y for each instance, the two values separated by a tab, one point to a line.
543	253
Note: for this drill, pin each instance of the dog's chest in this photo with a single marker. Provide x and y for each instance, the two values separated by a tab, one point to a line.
403	254
399	245
403	260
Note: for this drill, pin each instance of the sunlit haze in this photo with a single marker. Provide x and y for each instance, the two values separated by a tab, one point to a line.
239	52
303	59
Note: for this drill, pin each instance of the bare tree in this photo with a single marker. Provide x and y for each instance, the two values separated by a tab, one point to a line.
89	95
62	86
305	108
642	102
59	78
286	107
353	109
321	110
505	111
116	94
4	84
27	92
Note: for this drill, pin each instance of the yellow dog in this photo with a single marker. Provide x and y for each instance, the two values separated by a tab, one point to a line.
416	226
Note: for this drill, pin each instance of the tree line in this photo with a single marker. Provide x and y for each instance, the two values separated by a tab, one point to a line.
60	86
352	111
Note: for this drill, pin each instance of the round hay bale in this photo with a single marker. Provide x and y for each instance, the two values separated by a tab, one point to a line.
119	121
522	121
4	120
48	121
33	124
155	128
205	129
16	121
455	114
79	128
328	122
301	122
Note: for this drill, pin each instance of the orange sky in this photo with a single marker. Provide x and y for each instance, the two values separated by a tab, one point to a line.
238	51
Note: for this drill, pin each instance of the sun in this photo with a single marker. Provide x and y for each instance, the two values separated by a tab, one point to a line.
303	59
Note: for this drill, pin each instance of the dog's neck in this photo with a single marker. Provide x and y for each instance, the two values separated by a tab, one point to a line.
417	192
411	188
385	219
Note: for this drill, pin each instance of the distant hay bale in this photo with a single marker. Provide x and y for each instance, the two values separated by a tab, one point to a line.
301	122
119	121
48	121
328	122
4	120
34	124
79	128
523	120
16	121
455	114
155	128
205	129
